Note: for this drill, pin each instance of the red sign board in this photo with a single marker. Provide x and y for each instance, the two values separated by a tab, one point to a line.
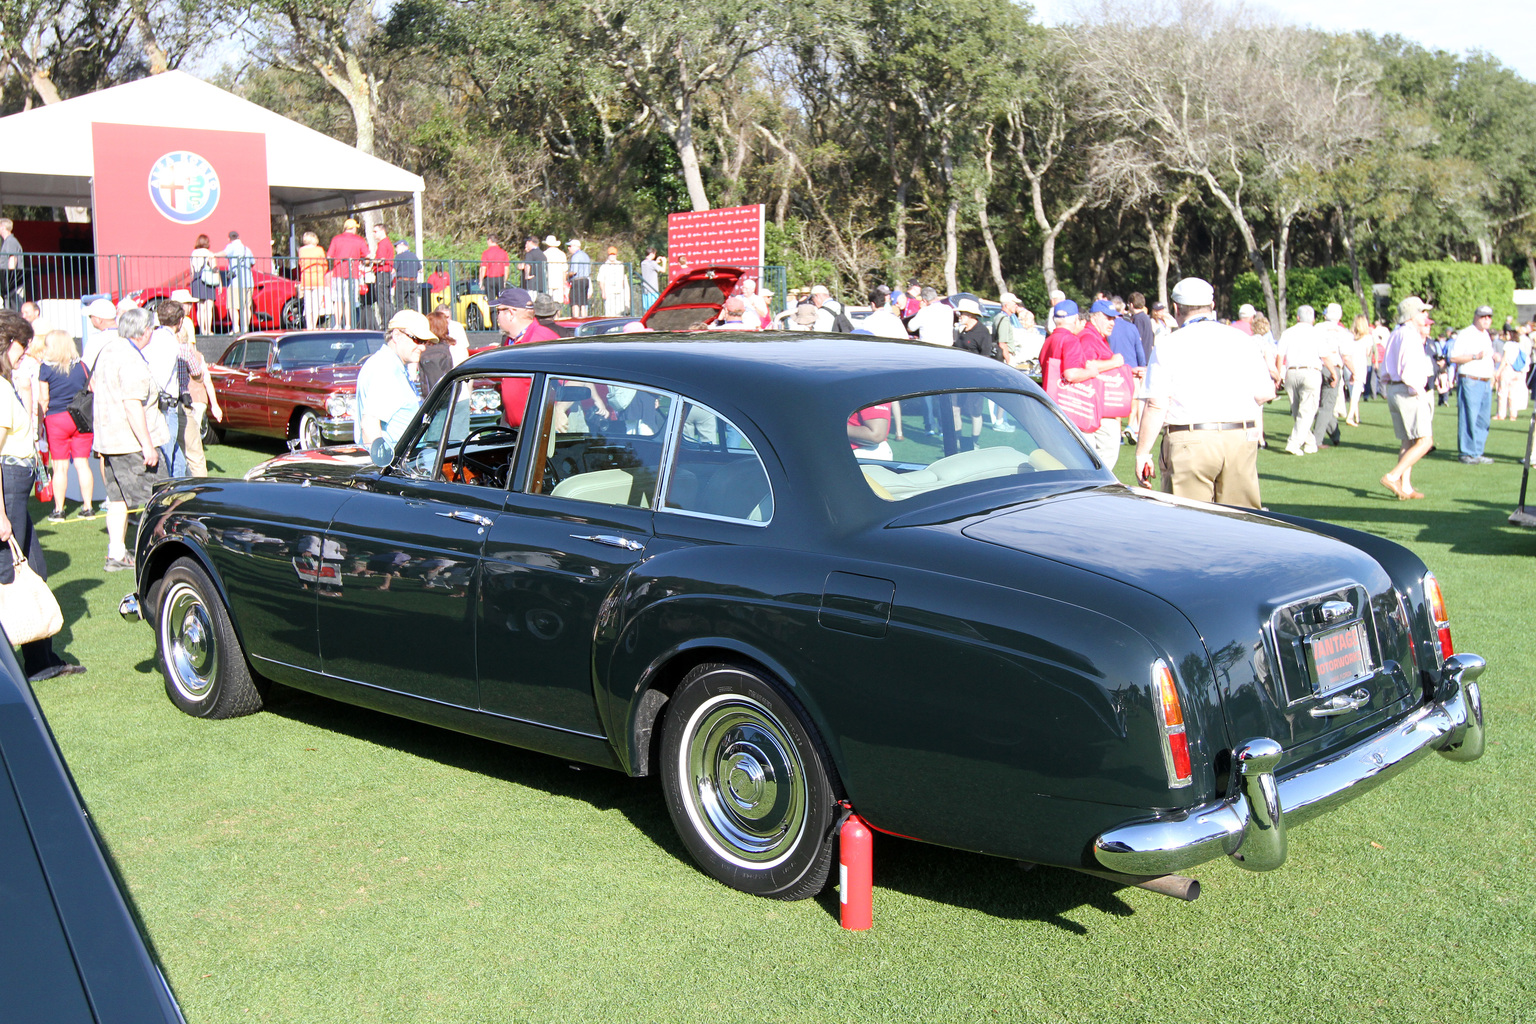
157	189
731	237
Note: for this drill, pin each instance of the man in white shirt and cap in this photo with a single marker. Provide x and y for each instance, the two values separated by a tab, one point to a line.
1205	385
1301	367
388	393
1333	340
1473	355
102	316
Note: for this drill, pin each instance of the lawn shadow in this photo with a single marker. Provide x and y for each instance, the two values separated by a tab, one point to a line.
1474	526
989	885
638	799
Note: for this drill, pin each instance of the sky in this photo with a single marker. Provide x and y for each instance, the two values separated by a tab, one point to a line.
1506	29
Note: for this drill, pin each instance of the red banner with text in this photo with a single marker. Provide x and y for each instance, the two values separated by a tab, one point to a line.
731	237
157	189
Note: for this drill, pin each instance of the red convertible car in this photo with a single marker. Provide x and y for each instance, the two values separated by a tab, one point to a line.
296	385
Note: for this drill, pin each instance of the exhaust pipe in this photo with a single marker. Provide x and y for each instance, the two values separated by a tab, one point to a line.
1177	886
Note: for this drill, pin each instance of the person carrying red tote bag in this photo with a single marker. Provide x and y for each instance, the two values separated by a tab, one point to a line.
1118	392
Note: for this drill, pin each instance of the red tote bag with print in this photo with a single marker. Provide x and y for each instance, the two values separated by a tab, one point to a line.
1080	403
1119	391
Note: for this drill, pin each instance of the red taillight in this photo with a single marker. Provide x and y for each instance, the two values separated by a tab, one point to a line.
1170	718
1438	616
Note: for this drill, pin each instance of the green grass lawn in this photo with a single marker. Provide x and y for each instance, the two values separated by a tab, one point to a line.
323	863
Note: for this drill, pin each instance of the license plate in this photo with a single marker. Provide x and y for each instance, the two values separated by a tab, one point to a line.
1336	657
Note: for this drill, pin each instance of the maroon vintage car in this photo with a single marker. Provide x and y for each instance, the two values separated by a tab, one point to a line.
297	385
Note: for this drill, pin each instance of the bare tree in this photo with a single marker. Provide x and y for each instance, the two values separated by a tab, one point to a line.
1243	106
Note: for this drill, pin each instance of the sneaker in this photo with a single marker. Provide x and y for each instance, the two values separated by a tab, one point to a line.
55	517
1473	460
85	512
1483	460
1308	448
119	564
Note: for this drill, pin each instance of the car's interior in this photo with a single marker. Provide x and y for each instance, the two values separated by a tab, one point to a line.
603	443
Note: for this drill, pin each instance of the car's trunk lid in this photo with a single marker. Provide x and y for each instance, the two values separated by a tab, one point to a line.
1307	638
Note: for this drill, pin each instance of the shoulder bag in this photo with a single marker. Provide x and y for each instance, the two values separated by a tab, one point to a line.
82	408
28	609
1119	391
1081	403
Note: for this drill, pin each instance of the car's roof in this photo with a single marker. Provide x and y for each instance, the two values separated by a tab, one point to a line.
286	335
761	361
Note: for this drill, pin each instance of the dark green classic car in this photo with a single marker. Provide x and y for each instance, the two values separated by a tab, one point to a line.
740	562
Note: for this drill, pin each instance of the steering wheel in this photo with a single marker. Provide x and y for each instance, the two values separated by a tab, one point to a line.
473	471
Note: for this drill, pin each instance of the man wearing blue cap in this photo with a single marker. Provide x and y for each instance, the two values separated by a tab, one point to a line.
1206	382
513	310
1069	324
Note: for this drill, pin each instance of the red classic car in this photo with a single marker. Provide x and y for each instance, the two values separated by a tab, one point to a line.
297	385
275	302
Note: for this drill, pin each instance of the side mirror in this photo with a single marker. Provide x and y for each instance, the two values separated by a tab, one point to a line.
380	453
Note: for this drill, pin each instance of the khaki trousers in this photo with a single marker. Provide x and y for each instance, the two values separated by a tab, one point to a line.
1211	465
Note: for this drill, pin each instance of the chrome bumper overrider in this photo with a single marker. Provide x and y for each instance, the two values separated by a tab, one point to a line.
128	608
1250	825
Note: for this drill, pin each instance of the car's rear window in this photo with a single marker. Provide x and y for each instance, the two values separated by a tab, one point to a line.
924	443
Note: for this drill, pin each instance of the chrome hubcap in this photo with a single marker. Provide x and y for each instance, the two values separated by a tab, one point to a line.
187	638
747	794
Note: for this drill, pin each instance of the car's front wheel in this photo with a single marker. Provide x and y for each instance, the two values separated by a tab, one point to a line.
306	430
748	784
205	671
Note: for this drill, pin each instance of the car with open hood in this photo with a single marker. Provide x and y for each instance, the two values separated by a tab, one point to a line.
706	557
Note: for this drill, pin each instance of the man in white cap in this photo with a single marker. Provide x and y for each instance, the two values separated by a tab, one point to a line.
579	277
1301	367
1408	371
1244	321
102	316
1206	383
555	261
387	393
1333	340
1472	352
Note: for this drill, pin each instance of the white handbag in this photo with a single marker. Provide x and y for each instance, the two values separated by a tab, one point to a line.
28	609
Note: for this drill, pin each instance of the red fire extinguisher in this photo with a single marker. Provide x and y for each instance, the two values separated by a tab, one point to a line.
856	873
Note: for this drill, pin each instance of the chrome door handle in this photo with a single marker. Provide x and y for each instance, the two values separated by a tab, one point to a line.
1343	704
466	517
610	540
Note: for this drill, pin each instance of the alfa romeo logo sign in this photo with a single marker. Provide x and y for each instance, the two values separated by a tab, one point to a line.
184	187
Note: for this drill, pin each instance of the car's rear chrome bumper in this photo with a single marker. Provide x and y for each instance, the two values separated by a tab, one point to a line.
129	608
1250	825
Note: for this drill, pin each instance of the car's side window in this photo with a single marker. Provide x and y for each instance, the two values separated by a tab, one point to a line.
236	355
467	440
601	442
255	357
716	471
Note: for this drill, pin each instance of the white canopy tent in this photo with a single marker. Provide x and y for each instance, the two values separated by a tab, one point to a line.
49	158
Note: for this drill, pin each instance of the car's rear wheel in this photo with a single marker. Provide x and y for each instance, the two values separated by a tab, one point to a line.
205	671
473	321
306	430
748	784
292	314
212	434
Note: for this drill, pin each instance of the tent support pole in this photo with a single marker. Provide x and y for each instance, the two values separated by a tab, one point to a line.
416	219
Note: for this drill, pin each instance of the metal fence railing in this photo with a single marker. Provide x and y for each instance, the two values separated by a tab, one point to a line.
228	295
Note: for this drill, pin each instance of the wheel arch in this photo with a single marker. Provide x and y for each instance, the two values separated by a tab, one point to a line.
160	559
298	414
661	677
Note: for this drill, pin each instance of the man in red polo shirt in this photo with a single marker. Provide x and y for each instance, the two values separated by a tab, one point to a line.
493	267
383	286
513	310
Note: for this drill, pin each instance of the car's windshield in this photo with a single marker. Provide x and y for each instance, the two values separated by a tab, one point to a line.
920	444
308	351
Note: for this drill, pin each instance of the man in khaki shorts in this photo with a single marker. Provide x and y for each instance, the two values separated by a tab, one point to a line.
1206	381
1407	369
129	428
